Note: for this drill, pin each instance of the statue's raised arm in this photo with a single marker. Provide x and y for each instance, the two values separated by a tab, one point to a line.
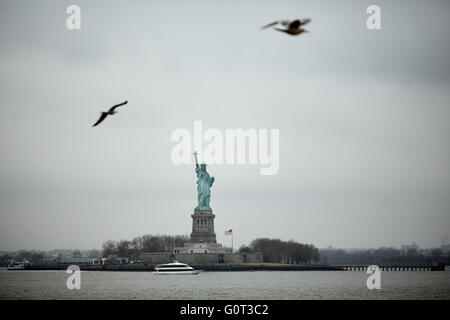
195	157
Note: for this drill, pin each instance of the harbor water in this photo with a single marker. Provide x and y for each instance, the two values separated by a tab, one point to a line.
24	284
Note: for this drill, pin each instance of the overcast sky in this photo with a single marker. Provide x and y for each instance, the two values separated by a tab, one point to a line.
363	119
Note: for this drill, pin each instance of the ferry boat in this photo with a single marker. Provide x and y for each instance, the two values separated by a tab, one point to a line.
175	268
16	266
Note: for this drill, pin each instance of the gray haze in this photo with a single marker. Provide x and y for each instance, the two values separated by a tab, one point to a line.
363	118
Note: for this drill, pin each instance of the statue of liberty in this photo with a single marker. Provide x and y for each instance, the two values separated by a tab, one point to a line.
204	183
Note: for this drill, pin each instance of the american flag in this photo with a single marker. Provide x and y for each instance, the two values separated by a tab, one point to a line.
229	232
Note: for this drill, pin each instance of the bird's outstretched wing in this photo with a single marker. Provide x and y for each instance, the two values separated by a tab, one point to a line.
117	105
304	21
270	25
102	117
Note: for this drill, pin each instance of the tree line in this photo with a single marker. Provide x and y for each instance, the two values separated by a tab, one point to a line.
132	249
272	250
279	251
46	257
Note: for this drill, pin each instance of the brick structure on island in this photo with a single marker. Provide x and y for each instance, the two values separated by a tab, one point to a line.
203	249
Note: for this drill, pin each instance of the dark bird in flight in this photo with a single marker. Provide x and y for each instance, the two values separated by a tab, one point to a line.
293	27
111	111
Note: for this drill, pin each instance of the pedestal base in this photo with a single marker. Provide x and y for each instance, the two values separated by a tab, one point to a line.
203	227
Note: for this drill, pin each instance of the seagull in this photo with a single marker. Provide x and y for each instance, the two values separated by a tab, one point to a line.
111	111
293	27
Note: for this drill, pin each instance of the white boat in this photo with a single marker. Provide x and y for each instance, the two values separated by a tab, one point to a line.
16	266
175	268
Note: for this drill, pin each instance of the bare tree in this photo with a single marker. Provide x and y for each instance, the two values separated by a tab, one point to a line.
162	243
76	253
136	248
244	248
123	249
276	250
109	247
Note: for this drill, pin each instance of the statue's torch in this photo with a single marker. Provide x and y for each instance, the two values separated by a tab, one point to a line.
195	157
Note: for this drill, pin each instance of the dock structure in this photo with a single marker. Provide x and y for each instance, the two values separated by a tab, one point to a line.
395	267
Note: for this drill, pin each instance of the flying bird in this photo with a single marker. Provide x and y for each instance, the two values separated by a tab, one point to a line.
111	111
292	27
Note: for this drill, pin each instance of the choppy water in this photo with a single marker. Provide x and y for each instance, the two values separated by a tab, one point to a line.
224	285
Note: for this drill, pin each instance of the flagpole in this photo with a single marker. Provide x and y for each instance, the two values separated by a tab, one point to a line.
232	235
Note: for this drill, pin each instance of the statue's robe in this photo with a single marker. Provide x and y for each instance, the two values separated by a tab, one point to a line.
204	183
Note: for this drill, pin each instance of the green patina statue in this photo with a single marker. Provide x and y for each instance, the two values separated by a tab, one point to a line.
204	183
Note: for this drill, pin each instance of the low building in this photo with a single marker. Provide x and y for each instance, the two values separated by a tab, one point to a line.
407	247
201	259
115	259
202	247
445	248
78	261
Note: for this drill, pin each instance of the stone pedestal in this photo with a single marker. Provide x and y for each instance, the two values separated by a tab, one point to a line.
203	227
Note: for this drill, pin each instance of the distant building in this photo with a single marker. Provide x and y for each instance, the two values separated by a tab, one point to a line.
115	259
407	247
445	248
78	261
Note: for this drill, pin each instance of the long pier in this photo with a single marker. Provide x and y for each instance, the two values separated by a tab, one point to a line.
395	267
